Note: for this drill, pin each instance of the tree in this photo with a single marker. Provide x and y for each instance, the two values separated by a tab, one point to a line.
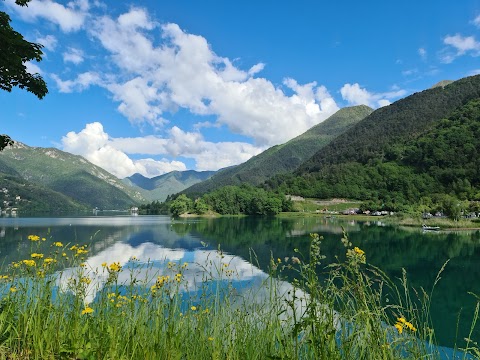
200	207
15	51
181	205
5	141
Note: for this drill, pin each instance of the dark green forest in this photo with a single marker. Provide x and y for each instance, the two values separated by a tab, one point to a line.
285	158
418	154
231	200
437	168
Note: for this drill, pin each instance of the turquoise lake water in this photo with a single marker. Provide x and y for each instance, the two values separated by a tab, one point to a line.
250	240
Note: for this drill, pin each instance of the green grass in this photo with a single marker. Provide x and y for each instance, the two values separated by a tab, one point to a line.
344	314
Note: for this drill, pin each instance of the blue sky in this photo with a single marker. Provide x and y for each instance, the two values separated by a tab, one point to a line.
155	86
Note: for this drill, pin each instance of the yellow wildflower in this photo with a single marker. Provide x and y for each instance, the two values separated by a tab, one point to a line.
85	280
399	327
115	267
33	237
401	320
4	277
211	338
37	256
104	264
64	254
43	239
358	251
48	261
30	263
81	251
87	310
410	326
193	308
161	280
13	289
58	244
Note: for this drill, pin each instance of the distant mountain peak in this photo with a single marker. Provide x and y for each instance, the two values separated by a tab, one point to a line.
159	187
18	145
442	83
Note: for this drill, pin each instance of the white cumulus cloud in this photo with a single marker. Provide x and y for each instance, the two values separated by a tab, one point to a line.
162	69
461	45
423	53
356	95
73	55
81	82
33	68
94	144
476	21
70	17
49	42
98	147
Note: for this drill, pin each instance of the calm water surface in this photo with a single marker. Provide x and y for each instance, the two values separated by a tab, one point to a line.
253	240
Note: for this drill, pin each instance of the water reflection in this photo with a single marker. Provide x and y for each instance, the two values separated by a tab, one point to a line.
247	241
243	283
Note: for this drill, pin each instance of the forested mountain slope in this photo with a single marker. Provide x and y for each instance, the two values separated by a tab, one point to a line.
27	197
68	174
419	150
286	157
401	121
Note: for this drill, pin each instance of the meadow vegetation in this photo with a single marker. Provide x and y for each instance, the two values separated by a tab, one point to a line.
53	307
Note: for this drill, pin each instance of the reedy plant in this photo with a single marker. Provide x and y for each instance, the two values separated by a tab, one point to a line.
336	311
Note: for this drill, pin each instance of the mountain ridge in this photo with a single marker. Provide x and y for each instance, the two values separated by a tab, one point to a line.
419	150
285	157
69	174
159	187
401	120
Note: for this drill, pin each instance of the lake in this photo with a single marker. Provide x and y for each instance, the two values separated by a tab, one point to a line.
247	240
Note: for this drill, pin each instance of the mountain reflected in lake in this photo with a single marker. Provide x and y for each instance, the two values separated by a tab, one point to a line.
249	243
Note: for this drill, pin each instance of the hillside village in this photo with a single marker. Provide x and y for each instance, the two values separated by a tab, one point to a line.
9	203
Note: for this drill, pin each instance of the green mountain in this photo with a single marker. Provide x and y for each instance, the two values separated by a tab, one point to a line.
16	192
82	182
159	187
399	122
418	149
286	157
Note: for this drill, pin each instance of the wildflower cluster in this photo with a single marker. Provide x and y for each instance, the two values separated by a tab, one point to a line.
356	255
114	267
119	301
404	324
35	238
79	250
161	281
